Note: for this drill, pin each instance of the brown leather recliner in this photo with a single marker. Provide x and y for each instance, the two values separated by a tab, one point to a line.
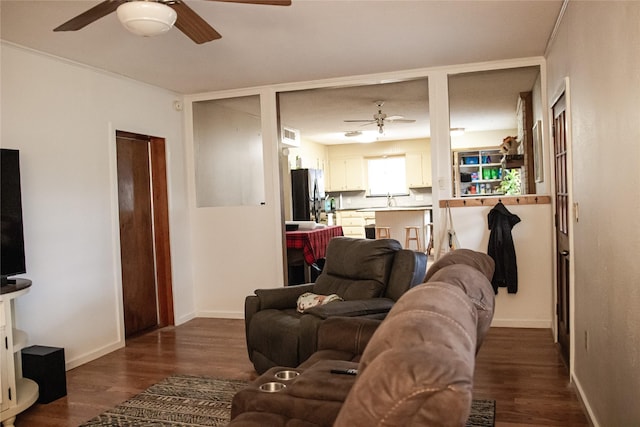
369	275
415	367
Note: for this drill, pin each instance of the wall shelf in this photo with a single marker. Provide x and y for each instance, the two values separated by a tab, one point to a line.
477	172
530	199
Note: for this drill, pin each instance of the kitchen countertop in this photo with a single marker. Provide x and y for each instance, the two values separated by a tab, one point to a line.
397	208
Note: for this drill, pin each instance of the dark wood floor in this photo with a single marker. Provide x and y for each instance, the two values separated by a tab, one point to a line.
519	368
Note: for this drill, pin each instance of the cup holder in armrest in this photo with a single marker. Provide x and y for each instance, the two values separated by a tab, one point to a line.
272	387
286	375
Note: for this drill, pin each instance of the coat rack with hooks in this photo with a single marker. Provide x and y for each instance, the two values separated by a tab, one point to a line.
531	199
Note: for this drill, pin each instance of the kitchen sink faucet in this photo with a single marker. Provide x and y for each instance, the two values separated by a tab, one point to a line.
390	200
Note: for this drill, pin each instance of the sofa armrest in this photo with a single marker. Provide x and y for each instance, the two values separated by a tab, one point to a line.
276	298
313	318
280	298
251	307
364	307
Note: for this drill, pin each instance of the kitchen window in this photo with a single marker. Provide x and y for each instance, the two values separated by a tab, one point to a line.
387	176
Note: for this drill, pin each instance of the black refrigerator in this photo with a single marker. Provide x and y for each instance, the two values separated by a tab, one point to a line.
307	194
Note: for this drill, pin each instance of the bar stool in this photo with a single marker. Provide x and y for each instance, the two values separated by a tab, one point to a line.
430	244
383	232
412	234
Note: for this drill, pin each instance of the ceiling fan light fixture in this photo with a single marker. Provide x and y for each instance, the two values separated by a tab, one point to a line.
146	18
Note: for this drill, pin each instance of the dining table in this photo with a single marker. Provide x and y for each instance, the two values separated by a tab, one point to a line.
306	247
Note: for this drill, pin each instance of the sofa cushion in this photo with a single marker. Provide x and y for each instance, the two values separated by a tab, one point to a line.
342	338
418	367
477	287
357	268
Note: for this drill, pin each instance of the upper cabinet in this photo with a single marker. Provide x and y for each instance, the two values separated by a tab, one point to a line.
346	174
418	169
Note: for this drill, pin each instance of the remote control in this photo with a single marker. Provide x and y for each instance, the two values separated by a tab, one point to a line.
345	371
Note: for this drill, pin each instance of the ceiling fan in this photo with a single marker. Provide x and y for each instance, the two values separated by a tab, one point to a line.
156	16
380	118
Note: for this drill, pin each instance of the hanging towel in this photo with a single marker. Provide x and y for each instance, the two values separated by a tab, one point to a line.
501	248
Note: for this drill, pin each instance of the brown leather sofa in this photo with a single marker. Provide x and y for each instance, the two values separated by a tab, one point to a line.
414	368
369	275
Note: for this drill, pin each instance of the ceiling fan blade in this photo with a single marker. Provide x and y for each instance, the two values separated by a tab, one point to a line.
265	2
359	121
192	25
400	120
99	11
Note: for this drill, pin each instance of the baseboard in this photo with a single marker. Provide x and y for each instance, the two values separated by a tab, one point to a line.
521	323
184	319
221	314
88	357
591	418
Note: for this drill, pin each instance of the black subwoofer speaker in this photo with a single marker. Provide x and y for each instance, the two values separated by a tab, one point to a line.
45	365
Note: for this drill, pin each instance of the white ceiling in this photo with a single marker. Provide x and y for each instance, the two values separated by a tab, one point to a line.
309	40
479	101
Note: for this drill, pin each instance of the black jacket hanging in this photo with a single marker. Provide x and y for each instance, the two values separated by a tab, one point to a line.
501	248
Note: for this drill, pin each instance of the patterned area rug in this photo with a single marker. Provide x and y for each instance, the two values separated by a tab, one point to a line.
179	400
483	413
191	401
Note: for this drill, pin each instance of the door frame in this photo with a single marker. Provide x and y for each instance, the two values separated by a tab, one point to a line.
160	213
564	89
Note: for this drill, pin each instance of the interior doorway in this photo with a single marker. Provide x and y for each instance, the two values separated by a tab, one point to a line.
562	200
144	232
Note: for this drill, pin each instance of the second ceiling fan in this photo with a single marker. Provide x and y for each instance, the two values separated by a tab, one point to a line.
158	16
380	118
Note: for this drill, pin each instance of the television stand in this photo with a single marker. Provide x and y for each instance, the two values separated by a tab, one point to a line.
13	285
4	281
17	393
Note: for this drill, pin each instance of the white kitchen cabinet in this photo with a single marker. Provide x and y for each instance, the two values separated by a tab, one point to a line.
18	393
346	174
418	166
352	223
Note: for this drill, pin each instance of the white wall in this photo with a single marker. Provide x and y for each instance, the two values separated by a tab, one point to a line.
598	48
481	139
62	117
531	306
236	249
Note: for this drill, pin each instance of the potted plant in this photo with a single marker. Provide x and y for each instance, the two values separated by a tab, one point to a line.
511	183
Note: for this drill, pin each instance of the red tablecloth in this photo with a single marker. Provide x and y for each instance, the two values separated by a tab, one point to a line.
312	242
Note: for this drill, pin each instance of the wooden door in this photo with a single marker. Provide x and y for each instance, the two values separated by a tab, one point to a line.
562	218
136	235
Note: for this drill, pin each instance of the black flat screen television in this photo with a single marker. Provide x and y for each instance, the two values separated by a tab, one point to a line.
12	259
